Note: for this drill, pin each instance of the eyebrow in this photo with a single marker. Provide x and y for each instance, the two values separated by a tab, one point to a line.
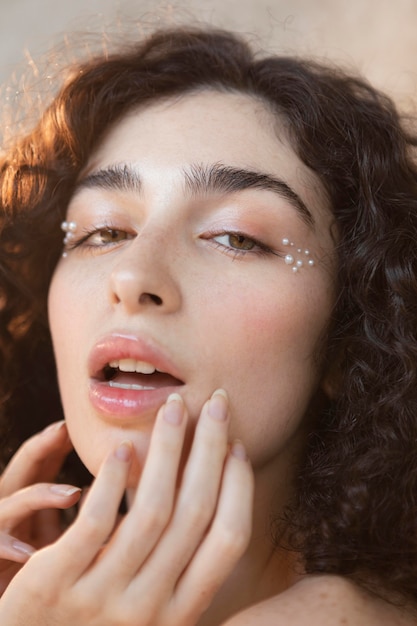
219	178
201	180
115	177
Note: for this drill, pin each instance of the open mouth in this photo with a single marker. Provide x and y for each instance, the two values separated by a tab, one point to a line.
136	375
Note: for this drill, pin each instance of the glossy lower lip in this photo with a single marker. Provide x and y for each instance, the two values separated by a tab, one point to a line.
117	404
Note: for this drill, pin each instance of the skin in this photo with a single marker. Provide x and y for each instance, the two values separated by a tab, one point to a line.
325	601
107	571
194	536
205	323
176	250
29	502
175	277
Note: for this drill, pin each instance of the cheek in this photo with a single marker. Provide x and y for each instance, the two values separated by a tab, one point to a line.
75	303
64	298
268	353
280	327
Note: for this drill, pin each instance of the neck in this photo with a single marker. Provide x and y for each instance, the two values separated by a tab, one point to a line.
267	568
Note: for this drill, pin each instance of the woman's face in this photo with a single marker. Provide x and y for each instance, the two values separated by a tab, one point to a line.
184	216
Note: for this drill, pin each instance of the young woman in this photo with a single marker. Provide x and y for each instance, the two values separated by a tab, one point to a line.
233	320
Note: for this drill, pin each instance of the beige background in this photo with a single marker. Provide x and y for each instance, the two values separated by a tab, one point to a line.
378	37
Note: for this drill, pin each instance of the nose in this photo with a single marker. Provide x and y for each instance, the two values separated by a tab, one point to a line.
142	279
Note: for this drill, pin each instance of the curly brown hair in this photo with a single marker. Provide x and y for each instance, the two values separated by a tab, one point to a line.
356	506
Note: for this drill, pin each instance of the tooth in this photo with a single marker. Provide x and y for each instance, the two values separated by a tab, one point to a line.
116	385
131	365
127	365
144	368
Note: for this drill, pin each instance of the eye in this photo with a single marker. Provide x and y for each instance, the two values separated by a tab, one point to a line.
236	241
101	237
105	236
238	244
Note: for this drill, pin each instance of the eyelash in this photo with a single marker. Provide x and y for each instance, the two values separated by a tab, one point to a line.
259	248
83	241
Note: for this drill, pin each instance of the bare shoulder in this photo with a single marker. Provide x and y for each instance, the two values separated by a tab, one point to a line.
324	601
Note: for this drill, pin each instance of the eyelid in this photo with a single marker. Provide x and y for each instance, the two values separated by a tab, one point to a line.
82	240
260	247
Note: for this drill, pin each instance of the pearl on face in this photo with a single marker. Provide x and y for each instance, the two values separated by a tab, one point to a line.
296	263
69	229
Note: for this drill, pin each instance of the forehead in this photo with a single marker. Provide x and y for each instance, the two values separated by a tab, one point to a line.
205	128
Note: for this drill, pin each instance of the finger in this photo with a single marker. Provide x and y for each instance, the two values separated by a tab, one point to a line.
152	507
49	524
198	496
25	502
12	549
37	460
84	495
225	542
80	545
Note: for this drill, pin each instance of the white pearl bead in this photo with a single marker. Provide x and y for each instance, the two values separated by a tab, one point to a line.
289	259
299	264
285	241
311	262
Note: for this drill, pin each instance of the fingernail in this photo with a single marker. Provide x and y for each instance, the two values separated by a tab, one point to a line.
174	409
218	405
64	490
22	548
238	451
124	451
53	427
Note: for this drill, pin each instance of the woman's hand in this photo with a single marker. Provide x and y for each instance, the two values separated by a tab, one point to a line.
29	503
165	561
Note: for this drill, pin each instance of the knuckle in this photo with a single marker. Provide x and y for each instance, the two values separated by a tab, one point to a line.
36	491
232	541
197	512
93	526
30	451
125	613
35	588
88	605
204	497
153	516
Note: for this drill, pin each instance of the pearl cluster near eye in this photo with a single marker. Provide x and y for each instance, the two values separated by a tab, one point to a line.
69	229
297	257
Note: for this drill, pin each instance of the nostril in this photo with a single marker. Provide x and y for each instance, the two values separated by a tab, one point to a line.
150	297
156	299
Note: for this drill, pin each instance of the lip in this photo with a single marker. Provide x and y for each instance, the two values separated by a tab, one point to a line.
126	404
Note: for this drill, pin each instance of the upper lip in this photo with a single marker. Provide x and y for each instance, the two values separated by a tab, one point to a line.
120	345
